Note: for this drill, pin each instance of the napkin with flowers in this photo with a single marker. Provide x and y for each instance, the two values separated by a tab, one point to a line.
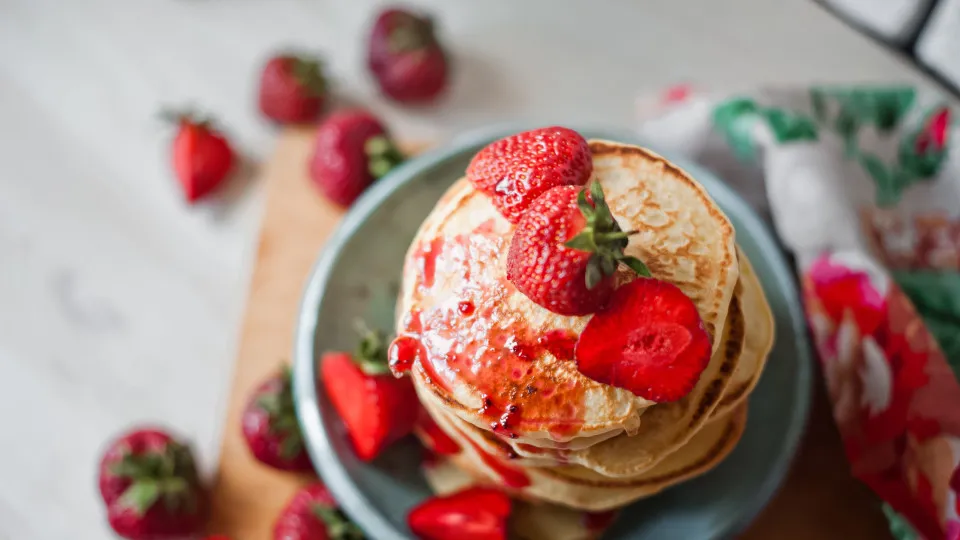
862	185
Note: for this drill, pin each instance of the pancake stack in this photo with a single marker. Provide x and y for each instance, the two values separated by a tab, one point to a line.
496	372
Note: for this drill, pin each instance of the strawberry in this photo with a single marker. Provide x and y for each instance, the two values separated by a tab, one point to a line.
351	150
292	89
515	170
270	425
473	514
405	57
377	408
312	514
202	156
149	483
649	339
565	251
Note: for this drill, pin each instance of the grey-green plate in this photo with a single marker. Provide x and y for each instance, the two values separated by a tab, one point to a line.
356	276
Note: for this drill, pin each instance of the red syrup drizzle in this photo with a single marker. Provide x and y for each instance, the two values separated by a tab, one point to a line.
512	477
437	440
560	343
479	342
598	521
502	419
426	257
403	352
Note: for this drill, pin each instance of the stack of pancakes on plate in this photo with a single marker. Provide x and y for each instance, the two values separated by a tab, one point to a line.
496	371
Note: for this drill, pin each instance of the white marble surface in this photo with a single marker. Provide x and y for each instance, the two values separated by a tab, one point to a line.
120	304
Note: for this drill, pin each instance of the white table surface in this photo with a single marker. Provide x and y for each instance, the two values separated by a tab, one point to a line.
120	304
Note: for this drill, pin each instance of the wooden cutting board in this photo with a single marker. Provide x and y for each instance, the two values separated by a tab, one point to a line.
819	500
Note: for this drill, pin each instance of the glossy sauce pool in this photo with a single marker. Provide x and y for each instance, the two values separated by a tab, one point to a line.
461	331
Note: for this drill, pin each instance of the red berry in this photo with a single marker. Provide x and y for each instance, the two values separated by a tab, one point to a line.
565	251
649	339
270	426
351	150
515	170
377	408
292	89
473	514
202	156
405	57
150	485
312	514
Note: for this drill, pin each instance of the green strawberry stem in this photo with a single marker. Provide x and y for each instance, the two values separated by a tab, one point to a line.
185	115
169	475
338	525
382	155
371	353
307	70
411	33
603	237
283	417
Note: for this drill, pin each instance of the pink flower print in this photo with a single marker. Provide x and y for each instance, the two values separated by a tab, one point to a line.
840	288
933	137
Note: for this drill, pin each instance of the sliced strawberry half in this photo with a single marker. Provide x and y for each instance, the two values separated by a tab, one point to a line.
377	408
649	339
473	514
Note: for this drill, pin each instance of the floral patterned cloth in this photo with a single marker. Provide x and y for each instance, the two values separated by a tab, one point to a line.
863	187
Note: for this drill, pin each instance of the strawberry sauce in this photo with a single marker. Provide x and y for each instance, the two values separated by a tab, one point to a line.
403	352
512	477
464	331
598	522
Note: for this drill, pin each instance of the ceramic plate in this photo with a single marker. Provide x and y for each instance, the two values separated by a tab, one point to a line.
357	276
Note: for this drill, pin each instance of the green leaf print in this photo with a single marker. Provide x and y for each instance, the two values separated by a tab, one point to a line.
789	126
889	181
900	528
936	295
734	119
883	108
922	166
847	126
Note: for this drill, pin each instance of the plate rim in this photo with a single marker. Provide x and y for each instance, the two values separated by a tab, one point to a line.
332	471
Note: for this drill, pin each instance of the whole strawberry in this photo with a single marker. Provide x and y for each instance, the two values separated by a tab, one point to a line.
405	57
649	339
270	425
376	407
515	170
202	156
292	88
565	251
350	151
473	514
312	514
149	483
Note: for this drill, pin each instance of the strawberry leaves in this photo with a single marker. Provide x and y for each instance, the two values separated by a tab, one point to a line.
278	405
382	155
169	475
603	237
371	353
338	525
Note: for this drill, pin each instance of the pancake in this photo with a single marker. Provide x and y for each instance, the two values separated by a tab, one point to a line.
663	429
758	341
481	344
584	489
